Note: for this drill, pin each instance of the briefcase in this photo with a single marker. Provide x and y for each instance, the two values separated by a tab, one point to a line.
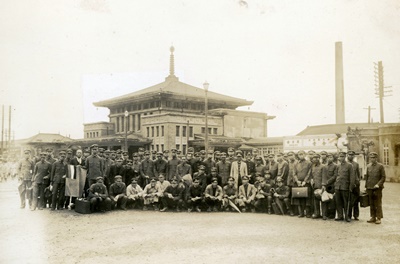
299	192
364	200
82	206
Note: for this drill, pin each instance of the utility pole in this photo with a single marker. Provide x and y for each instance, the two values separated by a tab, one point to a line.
380	88
369	113
9	126
2	130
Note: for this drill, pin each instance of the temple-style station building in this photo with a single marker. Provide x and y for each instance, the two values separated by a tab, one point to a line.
171	114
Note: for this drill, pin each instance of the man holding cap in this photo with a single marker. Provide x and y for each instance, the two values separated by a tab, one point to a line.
374	180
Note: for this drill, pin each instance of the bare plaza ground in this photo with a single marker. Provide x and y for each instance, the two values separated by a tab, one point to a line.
155	237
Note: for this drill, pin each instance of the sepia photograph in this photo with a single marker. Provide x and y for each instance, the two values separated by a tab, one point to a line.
183	131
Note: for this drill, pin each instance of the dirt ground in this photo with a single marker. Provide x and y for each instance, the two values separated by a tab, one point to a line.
156	237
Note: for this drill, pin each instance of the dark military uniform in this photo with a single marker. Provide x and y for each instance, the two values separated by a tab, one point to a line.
42	170
195	192
354	209
118	188
375	176
25	169
177	197
98	197
281	198
57	180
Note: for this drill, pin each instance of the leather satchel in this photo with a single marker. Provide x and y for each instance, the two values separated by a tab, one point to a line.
299	192
364	200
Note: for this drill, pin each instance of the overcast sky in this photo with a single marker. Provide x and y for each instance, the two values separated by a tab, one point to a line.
58	57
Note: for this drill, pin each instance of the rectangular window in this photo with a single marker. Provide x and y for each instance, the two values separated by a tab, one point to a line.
184	149
177	130
177	146
215	130
139	122
117	118
87	135
152	131
148	131
190	131
162	147
385	154
203	130
209	130
158	131
122	123
97	134
158	148
184	131
152	147
133	123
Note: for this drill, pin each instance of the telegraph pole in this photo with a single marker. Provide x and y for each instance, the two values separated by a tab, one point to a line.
2	130
380	88
369	113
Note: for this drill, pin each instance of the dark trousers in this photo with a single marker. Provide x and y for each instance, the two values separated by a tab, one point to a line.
283	204
354	203
211	203
89	183
24	193
58	195
375	202
197	203
262	204
120	203
171	202
99	204
38	194
317	206
342	202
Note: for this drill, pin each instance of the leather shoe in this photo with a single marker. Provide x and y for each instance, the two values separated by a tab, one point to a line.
378	221
339	219
372	220
356	218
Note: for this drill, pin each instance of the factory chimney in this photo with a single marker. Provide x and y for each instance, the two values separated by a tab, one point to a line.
340	119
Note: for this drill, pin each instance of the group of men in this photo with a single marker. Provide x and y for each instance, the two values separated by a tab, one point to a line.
211	181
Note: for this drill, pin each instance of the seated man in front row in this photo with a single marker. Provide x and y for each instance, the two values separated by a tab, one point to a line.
281	197
263	200
173	196
213	195
194	198
151	195
134	194
98	196
230	195
118	193
247	194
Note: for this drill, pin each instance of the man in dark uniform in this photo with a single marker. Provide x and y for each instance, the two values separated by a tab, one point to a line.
183	169
251	168
113	155
283	167
223	169
324	158
231	155
160	165
281	197
98	196
172	165
173	196
316	184
25	169
68	157
166	154
354	209
230	194
42	170
374	181
344	184
94	165
153	155
57	182
117	193
146	169
129	173
329	171
115	169
209	162
272	167
193	162
125	157
263	199
107	162
49	157
202	176
136	165
260	168
213	174
301	176
194	199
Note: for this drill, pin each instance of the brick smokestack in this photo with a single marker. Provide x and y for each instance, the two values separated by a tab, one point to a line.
340	119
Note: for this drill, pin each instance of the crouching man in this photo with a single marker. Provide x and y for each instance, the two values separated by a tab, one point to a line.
118	193
263	198
98	196
230	195
194	198
151	196
213	195
247	195
281	197
173	196
134	194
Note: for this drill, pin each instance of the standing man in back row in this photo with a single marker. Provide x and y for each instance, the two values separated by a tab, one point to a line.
374	184
95	166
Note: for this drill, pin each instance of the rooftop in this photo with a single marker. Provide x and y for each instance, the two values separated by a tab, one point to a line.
339	128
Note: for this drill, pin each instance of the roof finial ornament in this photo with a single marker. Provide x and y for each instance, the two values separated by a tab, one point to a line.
171	62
